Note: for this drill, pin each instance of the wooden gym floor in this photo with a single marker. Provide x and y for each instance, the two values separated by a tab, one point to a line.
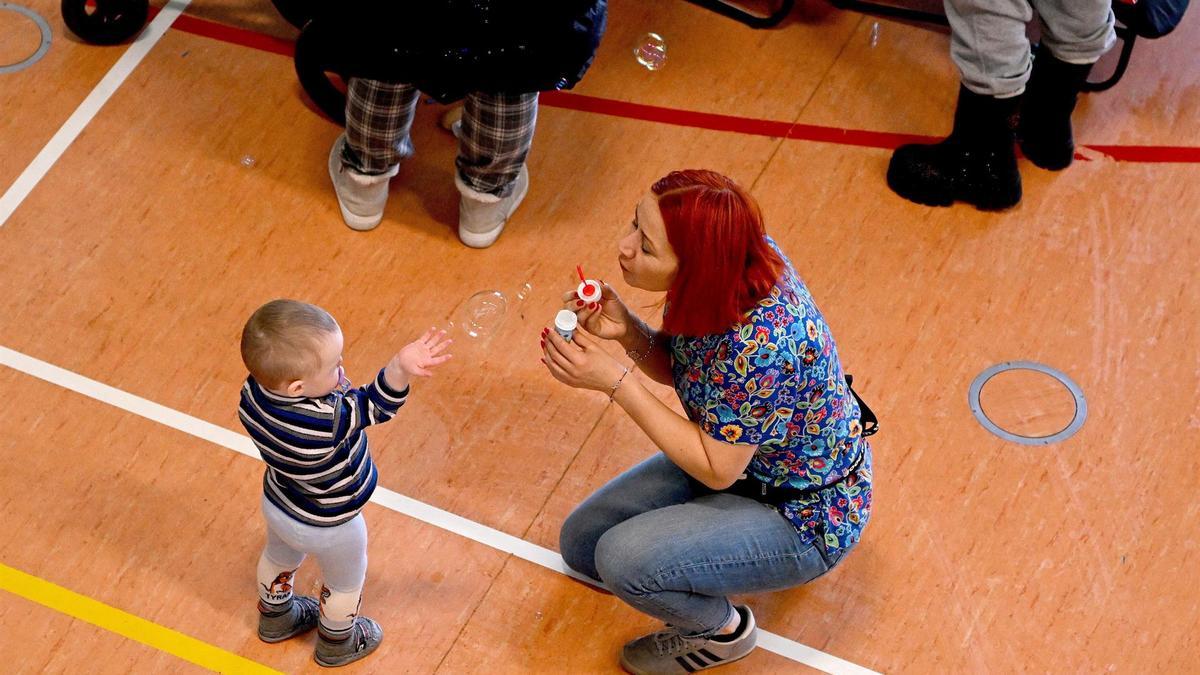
131	262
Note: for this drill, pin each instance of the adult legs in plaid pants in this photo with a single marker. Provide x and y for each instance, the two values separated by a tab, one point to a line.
496	134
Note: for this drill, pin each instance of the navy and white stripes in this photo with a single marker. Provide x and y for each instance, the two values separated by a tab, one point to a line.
319	469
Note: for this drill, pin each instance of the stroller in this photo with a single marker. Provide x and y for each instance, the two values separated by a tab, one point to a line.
114	21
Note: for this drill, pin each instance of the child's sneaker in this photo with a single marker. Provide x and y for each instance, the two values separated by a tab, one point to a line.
299	617
481	216
668	652
361	197
365	636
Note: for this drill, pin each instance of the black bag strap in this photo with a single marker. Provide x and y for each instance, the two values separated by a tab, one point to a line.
1150	18
759	491
870	423
768	494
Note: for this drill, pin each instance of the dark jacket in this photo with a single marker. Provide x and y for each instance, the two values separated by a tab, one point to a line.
448	48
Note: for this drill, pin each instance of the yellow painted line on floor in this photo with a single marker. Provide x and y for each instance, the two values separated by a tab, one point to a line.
123	623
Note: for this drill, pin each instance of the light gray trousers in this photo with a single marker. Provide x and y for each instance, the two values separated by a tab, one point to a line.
341	551
990	48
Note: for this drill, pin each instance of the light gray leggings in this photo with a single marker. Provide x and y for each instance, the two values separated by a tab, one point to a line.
341	551
988	43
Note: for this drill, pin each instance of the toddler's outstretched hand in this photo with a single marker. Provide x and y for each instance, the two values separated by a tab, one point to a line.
418	358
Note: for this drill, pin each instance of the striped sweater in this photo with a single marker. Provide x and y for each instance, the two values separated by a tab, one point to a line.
319	469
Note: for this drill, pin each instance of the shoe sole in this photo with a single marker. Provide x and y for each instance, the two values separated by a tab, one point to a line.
925	199
914	195
632	670
1042	163
357	657
273	639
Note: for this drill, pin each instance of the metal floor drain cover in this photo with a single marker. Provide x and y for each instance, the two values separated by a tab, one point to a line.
43	46
1061	435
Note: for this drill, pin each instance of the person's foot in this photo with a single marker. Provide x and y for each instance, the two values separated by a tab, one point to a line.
482	216
361	197
299	616
1045	129
365	636
976	164
668	652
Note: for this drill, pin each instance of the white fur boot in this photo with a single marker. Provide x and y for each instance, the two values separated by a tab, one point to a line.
481	216
360	197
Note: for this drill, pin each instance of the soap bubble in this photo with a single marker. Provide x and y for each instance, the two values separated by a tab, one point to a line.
482	314
525	291
248	161
874	40
651	51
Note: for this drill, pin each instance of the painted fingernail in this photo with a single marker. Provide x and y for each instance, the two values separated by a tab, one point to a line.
579	303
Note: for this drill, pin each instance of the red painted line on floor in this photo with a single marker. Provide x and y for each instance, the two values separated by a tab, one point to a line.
1150	153
715	122
237	36
231	35
700	120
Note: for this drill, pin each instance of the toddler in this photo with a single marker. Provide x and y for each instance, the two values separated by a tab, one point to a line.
308	425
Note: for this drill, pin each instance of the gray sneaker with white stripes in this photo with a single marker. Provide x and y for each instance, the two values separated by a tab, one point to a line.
668	652
300	617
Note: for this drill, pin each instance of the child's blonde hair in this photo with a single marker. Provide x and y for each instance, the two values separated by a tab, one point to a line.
280	340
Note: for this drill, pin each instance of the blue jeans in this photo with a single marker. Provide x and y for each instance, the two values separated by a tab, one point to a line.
674	549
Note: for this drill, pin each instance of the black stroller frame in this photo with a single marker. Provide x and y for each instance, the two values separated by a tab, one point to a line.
115	21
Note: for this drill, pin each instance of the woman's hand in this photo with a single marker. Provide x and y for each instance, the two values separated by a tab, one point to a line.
608	318
580	363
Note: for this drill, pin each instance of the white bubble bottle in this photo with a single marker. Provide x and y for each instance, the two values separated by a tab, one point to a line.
565	323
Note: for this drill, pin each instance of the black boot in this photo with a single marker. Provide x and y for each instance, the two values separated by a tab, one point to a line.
976	164
1045	128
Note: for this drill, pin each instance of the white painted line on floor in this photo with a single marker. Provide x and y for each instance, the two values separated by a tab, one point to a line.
501	541
70	130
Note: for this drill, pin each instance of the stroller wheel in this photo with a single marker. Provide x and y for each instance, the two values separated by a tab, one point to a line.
108	22
296	12
313	69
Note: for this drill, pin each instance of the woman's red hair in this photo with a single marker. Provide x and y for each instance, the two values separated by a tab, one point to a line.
726	265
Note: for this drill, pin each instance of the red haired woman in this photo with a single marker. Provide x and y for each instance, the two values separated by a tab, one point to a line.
770	420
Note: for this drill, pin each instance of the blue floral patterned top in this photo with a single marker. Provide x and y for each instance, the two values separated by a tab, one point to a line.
775	381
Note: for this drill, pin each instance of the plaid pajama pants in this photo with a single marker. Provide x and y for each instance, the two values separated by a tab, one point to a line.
497	131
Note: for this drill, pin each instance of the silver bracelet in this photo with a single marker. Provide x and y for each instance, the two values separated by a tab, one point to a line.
613	392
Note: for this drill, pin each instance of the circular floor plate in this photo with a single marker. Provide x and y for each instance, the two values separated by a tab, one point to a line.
43	45
1077	419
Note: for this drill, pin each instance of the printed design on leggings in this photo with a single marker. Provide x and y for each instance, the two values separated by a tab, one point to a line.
281	588
325	593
